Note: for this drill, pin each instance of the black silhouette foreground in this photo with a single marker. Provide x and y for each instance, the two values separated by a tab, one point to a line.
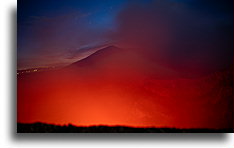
49	128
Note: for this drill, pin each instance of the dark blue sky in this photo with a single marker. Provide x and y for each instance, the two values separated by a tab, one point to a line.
102	10
48	30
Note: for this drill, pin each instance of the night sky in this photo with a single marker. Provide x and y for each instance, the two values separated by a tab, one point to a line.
183	34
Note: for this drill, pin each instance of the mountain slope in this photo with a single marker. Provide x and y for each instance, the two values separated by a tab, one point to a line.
126	62
117	86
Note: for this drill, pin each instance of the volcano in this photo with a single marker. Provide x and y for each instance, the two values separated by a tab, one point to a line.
116	86
115	61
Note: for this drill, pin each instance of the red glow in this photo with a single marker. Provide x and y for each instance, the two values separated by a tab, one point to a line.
112	96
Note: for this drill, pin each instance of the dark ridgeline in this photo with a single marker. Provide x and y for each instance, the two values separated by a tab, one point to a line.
116	59
49	128
97	56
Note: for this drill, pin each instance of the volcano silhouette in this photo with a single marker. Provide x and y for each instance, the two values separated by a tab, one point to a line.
102	54
117	86
117	61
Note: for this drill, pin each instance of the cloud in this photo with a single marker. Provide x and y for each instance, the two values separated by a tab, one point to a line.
190	38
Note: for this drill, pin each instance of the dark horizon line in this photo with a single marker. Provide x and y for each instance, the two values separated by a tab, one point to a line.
39	127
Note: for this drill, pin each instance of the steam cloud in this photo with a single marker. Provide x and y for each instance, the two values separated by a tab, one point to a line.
189	37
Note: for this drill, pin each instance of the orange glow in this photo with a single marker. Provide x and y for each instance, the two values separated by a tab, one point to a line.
118	87
62	98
